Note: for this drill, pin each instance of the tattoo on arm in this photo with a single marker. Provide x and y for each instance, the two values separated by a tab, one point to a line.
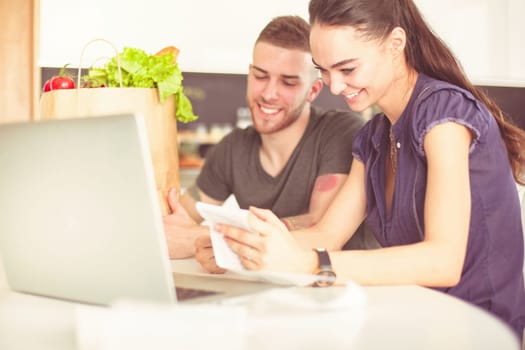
322	186
325	183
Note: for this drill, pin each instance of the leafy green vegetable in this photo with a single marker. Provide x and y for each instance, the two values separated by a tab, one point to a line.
146	71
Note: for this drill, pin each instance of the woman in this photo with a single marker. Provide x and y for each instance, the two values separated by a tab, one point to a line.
434	174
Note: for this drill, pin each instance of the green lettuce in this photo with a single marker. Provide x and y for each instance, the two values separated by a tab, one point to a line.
145	71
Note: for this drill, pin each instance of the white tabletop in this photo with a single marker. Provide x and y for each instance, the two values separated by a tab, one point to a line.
401	317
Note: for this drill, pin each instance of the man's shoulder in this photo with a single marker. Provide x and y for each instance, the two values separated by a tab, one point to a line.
336	114
238	135
338	117
233	147
234	143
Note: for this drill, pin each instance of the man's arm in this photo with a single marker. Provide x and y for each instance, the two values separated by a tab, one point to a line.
325	189
335	144
193	195
182	226
201	246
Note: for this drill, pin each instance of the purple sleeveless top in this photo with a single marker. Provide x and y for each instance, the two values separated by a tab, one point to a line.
492	276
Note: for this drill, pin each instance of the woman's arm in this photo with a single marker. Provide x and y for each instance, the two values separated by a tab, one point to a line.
438	259
325	189
274	248
343	216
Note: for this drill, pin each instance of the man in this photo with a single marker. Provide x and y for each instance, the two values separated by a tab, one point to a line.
293	160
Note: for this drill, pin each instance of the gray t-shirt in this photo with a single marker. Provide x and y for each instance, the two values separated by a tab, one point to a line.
233	165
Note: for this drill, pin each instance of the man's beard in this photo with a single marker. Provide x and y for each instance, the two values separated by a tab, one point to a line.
290	118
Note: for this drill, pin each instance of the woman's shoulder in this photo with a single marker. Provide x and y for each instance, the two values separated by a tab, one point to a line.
438	102
432	90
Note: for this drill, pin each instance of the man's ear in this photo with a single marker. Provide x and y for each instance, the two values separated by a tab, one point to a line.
315	90
397	41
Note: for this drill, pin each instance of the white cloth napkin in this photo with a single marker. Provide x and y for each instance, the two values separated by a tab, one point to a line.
135	326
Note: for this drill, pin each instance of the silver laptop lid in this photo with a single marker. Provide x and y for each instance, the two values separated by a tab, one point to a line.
79	214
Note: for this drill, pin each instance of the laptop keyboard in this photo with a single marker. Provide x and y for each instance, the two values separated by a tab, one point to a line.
190	293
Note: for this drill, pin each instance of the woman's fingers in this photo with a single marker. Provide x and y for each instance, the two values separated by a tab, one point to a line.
251	265
247	245
251	247
241	236
250	258
265	215
265	223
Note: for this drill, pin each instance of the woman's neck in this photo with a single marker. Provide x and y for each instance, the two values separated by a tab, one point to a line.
400	91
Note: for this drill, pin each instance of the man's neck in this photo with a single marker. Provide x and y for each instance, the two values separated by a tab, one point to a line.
276	148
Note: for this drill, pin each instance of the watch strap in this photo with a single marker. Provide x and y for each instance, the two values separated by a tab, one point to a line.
324	259
326	276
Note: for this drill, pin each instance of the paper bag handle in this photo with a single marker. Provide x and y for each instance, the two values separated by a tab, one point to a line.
82	56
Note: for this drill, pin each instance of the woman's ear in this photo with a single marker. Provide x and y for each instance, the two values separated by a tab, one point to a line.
397	41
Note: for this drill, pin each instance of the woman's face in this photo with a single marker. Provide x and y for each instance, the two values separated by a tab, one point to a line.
361	71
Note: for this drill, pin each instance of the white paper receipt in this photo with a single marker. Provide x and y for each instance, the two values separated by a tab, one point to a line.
227	259
214	214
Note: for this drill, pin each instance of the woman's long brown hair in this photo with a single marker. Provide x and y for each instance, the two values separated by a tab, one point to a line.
425	52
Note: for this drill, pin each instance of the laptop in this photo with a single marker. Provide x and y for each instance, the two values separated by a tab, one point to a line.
79	214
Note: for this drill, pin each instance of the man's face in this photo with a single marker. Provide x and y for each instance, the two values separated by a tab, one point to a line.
279	85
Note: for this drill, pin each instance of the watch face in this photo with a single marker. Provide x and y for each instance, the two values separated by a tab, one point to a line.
326	278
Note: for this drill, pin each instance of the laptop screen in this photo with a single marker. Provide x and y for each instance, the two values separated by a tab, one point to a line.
79	213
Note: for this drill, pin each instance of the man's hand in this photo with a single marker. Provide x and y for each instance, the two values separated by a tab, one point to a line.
204	254
180	229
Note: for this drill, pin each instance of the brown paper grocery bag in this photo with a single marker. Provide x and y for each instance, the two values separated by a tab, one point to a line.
159	117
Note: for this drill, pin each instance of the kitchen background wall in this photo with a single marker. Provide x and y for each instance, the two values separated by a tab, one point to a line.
217	36
216	39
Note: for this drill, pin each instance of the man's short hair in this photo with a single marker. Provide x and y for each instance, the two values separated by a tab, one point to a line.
289	32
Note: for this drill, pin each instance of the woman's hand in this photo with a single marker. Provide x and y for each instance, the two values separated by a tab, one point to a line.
272	247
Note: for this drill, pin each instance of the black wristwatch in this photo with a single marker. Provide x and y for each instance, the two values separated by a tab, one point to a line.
326	276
